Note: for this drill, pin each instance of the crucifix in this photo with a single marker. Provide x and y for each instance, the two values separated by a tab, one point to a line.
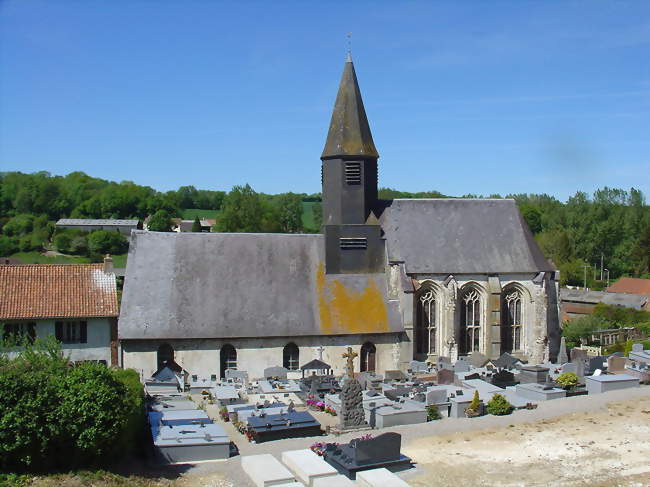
350	355
319	351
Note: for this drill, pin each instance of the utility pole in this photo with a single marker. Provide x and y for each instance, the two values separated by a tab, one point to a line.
585	267
607	270
602	256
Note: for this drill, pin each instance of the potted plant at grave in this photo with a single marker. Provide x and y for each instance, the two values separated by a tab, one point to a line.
433	413
223	413
567	380
474	408
499	405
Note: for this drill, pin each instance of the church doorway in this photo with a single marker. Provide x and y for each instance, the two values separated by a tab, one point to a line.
511	316
368	357
228	356
165	354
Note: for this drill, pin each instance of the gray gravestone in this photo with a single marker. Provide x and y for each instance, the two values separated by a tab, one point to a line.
477	359
577	354
390	375
616	364
533	374
562	357
417	366
637	347
279	372
462	366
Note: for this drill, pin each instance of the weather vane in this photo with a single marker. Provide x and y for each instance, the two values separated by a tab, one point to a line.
349	36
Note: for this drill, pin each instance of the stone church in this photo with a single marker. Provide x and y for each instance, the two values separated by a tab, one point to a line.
396	280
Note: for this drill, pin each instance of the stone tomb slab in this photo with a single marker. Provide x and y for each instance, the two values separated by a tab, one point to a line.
616	365
307	466
188	444
446	376
266	471
334	481
539	392
533	374
605	383
379	477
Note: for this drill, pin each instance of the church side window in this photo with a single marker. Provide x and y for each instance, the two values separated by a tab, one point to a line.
228	359
290	356
427	325
471	321
165	355
513	304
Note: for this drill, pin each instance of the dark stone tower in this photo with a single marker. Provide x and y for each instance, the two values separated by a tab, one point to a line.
349	172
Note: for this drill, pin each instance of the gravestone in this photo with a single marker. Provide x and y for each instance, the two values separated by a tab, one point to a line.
533	374
616	365
503	378
391	375
241	375
577	354
562	356
443	361
477	359
637	347
417	366
352	414
593	363
435	395
279	372
462	365
313	388
365	454
506	361
445	377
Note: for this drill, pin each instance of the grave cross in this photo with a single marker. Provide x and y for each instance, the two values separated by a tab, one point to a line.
350	355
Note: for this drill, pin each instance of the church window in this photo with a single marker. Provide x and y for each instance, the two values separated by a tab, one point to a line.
290	356
511	319
368	357
426	325
165	354
353	242
471	321
228	359
353	172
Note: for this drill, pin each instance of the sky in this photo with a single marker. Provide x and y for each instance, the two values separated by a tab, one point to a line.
462	96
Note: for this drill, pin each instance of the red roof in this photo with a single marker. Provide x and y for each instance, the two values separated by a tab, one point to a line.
57	291
631	285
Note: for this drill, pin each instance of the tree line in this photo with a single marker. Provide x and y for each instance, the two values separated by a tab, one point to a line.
611	226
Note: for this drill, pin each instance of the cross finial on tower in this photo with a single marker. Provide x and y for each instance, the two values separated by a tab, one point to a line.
348	58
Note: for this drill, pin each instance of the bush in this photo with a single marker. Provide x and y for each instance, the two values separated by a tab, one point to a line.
107	242
8	245
499	405
567	379
58	417
433	413
62	242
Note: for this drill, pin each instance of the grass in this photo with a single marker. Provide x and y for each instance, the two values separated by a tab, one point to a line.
308	215
192	213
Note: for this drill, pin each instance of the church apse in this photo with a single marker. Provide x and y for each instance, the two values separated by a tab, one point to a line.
347	309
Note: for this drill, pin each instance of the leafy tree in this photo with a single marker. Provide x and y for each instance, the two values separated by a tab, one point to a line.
242	211
160	222
475	405
533	217
290	212
578	329
499	405
107	242
62	242
8	245
196	225
19	225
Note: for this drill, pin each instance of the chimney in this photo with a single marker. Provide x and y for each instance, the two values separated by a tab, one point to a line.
108	264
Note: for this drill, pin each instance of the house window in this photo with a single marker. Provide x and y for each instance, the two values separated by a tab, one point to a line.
18	331
426	325
290	356
71	331
470	321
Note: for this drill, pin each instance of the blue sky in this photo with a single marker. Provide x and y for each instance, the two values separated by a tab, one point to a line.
462	96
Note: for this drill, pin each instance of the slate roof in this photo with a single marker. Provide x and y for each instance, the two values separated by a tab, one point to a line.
88	221
460	236
315	365
349	133
211	285
580	296
630	285
43	291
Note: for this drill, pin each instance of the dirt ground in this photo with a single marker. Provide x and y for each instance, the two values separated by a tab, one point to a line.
603	448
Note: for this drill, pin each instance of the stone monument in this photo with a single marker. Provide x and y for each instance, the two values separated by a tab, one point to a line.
352	414
562	357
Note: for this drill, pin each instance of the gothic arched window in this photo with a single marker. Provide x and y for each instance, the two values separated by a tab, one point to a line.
470	321
368	357
290	355
228	356
426	327
165	355
511	320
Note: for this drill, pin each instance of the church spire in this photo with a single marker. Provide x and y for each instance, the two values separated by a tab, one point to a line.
349	133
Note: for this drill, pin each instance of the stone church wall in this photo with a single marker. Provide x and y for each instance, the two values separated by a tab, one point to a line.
202	357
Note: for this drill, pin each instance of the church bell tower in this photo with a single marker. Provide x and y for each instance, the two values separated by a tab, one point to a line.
349	173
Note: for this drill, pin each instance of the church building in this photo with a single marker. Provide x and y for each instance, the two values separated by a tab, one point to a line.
396	280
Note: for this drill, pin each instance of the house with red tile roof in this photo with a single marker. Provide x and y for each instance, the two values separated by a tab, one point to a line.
77	303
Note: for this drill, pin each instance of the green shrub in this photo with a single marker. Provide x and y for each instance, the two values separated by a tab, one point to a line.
62	242
8	245
433	413
499	405
59	417
567	379
475	405
107	242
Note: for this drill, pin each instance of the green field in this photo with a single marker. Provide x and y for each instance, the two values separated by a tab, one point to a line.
192	213
308	216
38	258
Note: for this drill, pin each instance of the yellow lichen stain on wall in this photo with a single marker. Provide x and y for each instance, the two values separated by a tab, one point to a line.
343	310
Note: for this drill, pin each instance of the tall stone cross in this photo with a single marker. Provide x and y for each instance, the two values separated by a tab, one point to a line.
350	355
319	351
